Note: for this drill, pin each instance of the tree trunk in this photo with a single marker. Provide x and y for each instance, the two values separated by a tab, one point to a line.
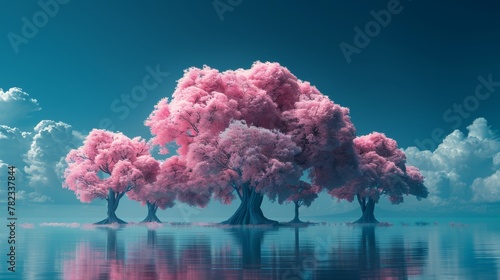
362	203
249	212
296	218
368	216
152	207
113	200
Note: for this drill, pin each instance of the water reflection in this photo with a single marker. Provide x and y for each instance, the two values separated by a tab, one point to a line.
243	253
246	260
92	261
397	259
249	241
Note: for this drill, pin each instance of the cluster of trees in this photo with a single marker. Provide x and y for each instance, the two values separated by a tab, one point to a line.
242	135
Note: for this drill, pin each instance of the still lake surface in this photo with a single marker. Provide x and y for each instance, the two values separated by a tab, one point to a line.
332	250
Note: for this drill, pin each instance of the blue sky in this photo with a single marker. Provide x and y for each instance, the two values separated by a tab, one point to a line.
430	70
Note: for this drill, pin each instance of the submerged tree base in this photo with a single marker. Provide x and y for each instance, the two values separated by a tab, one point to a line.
110	220
366	220
113	199
249	212
297	224
368	209
368	217
297	221
151	219
249	218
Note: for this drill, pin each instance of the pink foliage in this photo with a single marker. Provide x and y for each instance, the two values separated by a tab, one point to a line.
148	166
304	193
266	96
319	125
91	263
125	175
383	171
161	191
126	161
383	146
415	182
189	188
81	176
258	157
27	225
348	191
69	225
174	181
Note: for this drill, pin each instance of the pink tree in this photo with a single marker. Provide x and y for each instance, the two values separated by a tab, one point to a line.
415	182
383	172
184	182
267	96
303	194
250	162
173	182
126	163
325	133
155	194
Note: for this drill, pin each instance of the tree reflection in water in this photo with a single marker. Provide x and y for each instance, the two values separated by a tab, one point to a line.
370	260
240	253
95	262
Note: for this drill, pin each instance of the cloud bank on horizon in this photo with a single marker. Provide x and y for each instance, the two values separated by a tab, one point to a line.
464	169
39	154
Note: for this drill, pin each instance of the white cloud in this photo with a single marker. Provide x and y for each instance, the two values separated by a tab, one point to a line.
496	160
487	189
14	143
463	168
16	104
21	195
39	159
45	159
39	198
3	169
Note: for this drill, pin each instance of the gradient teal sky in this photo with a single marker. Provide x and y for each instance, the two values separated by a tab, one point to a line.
90	53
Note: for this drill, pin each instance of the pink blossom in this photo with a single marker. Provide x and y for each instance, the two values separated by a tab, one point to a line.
306	130
126	162
383	172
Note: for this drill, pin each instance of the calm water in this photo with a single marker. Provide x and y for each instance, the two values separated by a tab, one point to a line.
327	251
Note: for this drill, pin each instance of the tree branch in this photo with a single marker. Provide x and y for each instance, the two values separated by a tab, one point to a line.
237	191
192	125
120	195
